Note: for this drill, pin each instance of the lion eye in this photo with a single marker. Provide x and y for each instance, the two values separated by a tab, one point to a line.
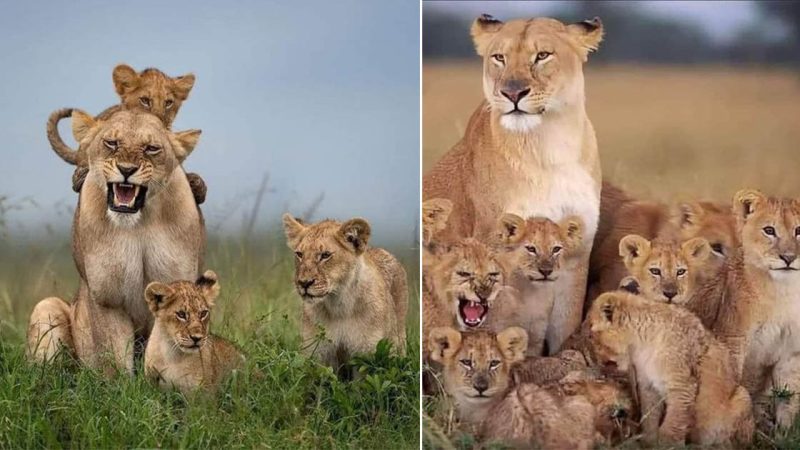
181	315
557	249
499	58
531	249
494	274
681	272
299	255
717	248
152	149
466	363
769	231
324	255
110	144
541	56
168	104
464	274
145	102
494	364
797	231
203	314
655	271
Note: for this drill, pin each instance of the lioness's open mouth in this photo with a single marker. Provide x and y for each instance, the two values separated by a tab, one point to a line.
126	198
472	313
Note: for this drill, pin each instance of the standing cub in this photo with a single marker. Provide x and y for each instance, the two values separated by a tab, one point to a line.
180	352
357	293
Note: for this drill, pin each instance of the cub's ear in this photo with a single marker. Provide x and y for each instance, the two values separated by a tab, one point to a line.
82	124
483	30
125	79
746	202
513	343
689	215
181	86
444	342
633	249
435	213
209	285
187	140
293	228
697	249
573	230
157	296
355	234
630	284
511	228
588	34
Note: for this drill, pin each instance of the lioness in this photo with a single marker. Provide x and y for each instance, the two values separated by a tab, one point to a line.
181	353
136	222
357	293
529	148
680	370
541	251
761	319
149	90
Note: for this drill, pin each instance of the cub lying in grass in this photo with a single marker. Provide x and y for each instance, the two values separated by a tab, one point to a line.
181	353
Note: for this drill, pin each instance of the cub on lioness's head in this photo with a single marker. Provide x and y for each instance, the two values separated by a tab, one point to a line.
357	293
149	90
680	369
181	353
476	366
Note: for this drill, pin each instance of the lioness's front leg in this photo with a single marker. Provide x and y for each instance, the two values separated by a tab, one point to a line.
103	337
786	389
567	312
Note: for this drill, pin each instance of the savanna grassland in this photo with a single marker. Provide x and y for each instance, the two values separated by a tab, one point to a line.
292	403
664	133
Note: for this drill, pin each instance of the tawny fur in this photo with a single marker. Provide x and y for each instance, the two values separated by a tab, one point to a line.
118	254
542	163
358	294
181	352
49	330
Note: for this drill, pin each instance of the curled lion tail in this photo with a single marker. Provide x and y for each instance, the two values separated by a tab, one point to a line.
63	150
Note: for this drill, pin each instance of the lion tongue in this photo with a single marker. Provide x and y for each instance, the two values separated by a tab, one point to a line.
124	193
472	312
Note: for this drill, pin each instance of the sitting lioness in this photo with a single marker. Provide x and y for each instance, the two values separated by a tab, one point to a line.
357	293
181	353
136	222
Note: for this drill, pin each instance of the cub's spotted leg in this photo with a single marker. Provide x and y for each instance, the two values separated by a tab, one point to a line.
679	411
78	177
49	330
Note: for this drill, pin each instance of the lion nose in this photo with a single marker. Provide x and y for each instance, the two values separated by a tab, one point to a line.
196	339
788	259
305	284
546	272
670	293
481	384
515	95
127	171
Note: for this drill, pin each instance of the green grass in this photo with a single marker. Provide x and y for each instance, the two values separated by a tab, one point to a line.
294	403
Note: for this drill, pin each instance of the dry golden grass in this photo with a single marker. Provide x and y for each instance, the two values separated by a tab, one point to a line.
663	133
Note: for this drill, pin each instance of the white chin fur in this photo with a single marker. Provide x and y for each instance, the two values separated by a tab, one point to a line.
520	123
123	220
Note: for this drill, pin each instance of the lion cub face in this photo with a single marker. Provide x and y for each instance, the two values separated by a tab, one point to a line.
152	91
610	338
476	364
183	309
665	270
532	67
132	155
538	245
770	230
326	255
469	277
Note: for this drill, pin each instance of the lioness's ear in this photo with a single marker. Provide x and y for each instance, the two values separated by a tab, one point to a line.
697	249
435	213
510	228
633	248
125	79
182	85
746	202
588	34
355	234
513	343
82	123
573	230
483	30
444	342
209	285
293	228
689	214
630	284
187	140
157	296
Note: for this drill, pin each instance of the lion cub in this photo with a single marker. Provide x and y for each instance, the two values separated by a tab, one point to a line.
679	368
180	352
149	90
356	293
539	250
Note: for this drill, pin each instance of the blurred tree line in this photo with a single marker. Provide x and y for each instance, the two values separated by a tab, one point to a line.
636	35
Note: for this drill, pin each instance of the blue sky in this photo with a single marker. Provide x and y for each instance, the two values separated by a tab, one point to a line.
324	96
